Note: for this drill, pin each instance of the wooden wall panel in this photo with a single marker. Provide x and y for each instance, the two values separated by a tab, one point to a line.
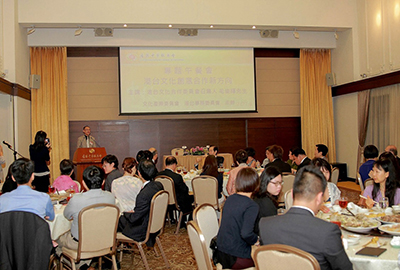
126	138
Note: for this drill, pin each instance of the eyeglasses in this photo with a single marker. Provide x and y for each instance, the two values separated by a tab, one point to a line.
277	183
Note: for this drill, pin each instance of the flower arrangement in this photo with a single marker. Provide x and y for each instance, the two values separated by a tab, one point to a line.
197	150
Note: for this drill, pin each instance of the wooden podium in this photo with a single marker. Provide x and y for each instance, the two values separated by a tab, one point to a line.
85	157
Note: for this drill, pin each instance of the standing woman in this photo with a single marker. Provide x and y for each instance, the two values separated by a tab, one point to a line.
236	234
266	196
40	155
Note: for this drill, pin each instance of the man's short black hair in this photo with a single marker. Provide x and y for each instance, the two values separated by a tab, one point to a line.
250	152
93	177
22	170
144	155
309	181
85	127
322	148
298	151
215	148
110	159
66	166
147	170
170	160
370	151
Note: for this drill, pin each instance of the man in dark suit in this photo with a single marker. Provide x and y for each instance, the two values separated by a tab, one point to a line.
181	190
274	153
134	224
301	229
300	158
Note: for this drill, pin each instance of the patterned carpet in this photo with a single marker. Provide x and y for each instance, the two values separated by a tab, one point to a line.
177	249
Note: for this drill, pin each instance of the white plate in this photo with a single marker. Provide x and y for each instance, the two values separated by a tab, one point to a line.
384	228
352	239
385	222
361	229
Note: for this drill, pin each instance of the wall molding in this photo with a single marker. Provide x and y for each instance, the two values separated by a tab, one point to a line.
14	89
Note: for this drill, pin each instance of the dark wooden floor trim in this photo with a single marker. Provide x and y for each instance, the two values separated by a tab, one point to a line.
370	83
14	89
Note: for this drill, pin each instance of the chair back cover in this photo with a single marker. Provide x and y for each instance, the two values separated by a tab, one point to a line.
335	176
288	199
283	257
368	182
199	246
360	182
177	152
207	220
97	230
169	186
288	179
158	209
25	241
205	190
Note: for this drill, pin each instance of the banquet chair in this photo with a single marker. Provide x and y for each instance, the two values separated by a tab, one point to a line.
169	186
207	221
158	209
368	182
79	185
288	199
25	241
283	257
97	235
335	175
199	246
360	183
177	152
288	179
205	190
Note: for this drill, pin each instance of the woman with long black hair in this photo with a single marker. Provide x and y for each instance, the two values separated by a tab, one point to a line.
39	153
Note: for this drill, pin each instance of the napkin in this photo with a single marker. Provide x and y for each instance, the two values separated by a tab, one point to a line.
353	207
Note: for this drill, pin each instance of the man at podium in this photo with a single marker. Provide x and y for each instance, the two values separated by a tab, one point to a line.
86	140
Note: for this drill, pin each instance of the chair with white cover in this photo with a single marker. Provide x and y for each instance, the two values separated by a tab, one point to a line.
335	175
158	209
199	246
368	182
79	185
360	183
288	199
288	179
205	190
283	257
207	220
169	186
97	234
177	152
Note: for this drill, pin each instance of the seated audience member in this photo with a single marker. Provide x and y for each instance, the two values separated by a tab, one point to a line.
266	196
134	224
266	160
154	154
384	173
213	150
393	149
86	140
290	161
301	229
321	150
241	159
274	154
251	157
110	166
371	154
300	158
9	183
127	187
93	179
64	181
332	193
210	167
24	198
236	234
144	155
181	190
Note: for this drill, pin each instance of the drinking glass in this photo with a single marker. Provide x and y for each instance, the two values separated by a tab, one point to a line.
384	203
51	189
71	189
343	201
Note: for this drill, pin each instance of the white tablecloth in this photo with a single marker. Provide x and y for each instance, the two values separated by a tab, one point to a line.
60	224
387	260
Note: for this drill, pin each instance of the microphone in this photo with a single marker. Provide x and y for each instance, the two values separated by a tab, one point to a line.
6	143
95	141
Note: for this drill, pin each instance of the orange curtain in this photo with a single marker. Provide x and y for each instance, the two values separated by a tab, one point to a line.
50	102
317	124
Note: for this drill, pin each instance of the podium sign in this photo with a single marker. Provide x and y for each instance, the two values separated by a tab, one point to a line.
85	157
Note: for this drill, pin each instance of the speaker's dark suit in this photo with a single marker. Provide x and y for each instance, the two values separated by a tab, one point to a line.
134	225
300	229
280	165
181	190
305	162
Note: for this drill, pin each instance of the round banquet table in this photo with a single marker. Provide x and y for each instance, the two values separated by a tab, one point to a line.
189	161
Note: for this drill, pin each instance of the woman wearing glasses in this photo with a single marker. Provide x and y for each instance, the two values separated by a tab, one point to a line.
266	196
